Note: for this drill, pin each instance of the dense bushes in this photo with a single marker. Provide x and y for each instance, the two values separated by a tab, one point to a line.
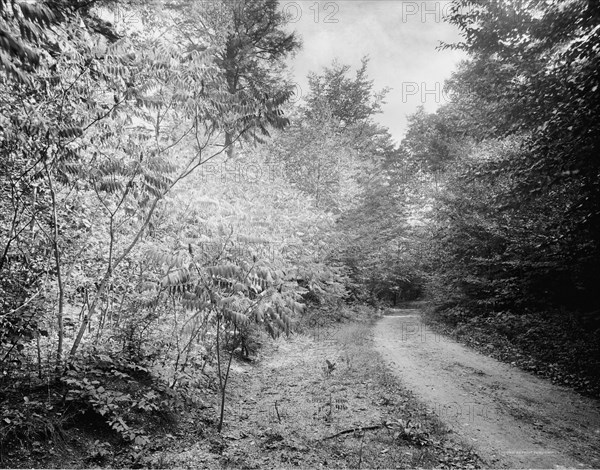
515	222
135	257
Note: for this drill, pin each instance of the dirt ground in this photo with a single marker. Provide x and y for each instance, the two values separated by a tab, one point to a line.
384	394
293	409
513	419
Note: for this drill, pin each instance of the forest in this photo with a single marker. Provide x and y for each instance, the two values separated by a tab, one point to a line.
171	209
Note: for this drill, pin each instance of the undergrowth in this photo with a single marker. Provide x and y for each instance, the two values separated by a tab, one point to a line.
119	402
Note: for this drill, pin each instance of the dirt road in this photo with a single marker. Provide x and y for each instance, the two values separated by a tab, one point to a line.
513	419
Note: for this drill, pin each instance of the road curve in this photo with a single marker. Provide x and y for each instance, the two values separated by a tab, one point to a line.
513	419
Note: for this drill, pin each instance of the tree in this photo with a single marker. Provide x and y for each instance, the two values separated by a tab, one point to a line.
348	101
531	81
435	140
350	165
106	130
251	58
117	256
236	250
333	143
41	124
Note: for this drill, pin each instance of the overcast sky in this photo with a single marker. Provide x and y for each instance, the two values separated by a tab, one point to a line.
400	37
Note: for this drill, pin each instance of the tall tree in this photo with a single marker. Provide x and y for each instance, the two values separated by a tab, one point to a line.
333	142
347	100
532	82
435	140
251	47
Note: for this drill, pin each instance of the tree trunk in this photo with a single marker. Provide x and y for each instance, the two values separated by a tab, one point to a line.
229	145
59	279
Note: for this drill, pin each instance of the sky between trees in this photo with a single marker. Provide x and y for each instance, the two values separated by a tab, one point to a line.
400	37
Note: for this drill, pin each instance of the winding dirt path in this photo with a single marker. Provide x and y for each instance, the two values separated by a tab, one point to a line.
513	419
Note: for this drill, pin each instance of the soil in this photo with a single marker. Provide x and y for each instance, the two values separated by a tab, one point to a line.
513	419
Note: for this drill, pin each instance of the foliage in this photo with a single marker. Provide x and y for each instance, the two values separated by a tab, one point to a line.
109	389
250	55
348	101
103	254
321	163
333	144
520	215
435	140
335	152
382	235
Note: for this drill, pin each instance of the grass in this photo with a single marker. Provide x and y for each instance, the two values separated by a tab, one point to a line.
284	410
